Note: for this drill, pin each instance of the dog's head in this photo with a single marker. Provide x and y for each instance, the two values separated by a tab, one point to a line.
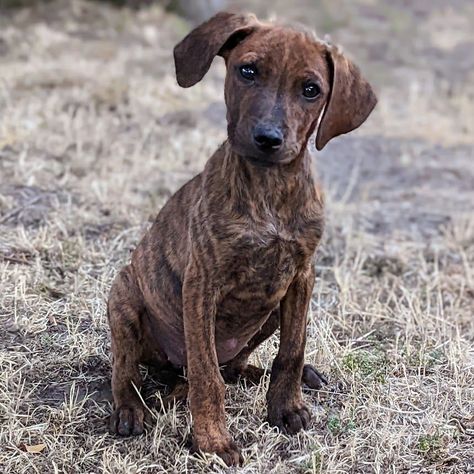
280	82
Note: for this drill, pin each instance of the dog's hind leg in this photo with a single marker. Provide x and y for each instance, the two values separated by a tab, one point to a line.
125	312
239	368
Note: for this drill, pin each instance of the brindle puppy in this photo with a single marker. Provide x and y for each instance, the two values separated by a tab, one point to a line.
229	258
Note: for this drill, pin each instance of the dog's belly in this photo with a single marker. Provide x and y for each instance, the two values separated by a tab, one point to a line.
229	342
245	310
166	335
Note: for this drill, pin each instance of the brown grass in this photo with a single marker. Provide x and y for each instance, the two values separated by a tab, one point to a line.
94	137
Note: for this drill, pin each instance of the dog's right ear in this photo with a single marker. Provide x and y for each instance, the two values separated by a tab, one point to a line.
194	54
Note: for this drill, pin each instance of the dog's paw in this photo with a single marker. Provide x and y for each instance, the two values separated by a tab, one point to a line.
289	418
224	447
127	421
178	394
253	374
230	454
312	378
250	373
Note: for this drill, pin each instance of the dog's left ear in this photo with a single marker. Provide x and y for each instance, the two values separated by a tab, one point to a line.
351	99
194	54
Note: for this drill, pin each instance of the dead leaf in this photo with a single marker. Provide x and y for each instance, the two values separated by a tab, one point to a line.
36	448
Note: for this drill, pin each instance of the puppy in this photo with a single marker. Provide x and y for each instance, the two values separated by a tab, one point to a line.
229	258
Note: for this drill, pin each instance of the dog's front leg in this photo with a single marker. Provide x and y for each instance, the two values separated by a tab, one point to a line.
286	409
206	387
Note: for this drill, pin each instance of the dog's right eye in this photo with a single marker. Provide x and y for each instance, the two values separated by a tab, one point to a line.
248	71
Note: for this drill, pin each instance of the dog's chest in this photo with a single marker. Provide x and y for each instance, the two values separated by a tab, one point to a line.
259	270
262	264
259	263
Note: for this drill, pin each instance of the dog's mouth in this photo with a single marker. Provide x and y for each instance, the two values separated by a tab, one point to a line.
261	162
267	161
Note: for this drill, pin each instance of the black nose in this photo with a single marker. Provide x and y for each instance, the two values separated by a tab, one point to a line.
267	138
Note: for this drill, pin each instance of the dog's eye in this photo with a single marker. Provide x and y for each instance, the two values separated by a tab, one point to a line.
311	90
248	71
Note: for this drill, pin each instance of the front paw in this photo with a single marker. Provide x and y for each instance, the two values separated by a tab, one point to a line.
220	444
127	420
289	417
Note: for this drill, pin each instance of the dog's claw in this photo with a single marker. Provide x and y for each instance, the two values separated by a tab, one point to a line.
127	421
226	449
231	455
290	420
312	378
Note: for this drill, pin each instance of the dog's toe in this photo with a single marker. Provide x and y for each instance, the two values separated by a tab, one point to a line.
127	421
296	420
220	444
231	455
312	378
290	420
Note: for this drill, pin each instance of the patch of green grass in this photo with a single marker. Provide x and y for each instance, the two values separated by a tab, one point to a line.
432	446
372	365
334	424
425	358
338	426
435	357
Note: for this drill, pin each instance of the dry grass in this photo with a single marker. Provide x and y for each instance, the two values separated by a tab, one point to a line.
95	135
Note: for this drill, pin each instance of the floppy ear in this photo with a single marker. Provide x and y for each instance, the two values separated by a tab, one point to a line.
194	54
350	102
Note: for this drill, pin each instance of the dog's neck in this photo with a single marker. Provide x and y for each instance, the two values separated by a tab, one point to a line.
284	190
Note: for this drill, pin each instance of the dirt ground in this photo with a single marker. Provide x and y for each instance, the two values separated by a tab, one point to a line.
95	135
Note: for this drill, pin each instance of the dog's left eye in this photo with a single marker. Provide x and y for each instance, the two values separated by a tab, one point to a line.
248	71
311	90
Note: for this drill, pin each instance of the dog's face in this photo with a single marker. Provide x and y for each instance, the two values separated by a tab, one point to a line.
276	87
279	81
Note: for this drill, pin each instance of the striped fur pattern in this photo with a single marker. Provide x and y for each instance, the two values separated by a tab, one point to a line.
229	258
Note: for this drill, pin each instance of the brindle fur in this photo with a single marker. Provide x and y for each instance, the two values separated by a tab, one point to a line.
229	258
